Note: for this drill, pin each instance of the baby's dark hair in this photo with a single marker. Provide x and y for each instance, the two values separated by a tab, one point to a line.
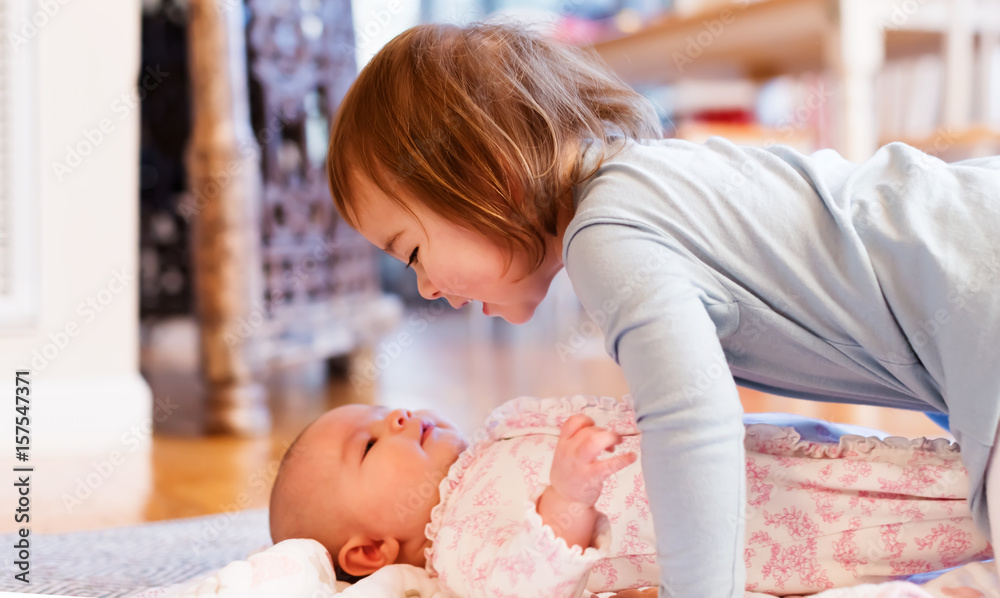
344	575
281	496
483	125
279	492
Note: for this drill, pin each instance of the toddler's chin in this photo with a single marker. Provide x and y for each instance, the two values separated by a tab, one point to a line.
521	314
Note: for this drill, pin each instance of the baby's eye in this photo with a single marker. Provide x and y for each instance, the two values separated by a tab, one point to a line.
368	447
413	257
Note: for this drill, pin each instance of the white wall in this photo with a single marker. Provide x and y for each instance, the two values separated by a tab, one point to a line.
81	338
378	21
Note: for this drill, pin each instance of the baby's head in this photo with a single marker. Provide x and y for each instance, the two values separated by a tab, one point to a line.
466	140
362	481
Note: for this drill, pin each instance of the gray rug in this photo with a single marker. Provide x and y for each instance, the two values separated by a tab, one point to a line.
123	561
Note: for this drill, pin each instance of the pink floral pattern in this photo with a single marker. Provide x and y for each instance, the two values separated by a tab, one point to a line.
819	515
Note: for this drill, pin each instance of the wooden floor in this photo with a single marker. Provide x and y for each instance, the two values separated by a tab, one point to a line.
461	363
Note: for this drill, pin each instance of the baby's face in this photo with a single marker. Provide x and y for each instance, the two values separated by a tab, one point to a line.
387	465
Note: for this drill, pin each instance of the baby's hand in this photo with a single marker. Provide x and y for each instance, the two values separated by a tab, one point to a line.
577	474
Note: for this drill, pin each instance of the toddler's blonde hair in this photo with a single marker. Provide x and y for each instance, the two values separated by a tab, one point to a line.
475	122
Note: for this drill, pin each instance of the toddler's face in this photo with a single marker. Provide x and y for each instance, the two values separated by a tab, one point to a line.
387	467
453	262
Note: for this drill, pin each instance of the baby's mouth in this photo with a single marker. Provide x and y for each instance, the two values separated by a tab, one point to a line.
425	431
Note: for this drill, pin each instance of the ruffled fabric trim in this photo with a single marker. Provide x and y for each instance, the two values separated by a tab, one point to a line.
787	442
520	416
532	415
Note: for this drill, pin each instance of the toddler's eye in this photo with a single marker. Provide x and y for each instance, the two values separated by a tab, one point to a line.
368	447
413	257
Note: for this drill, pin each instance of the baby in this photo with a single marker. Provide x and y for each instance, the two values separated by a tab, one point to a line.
528	507
362	481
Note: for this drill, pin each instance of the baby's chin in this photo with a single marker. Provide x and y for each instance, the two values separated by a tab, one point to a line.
459	443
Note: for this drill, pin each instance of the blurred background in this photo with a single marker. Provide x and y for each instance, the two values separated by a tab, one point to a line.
174	275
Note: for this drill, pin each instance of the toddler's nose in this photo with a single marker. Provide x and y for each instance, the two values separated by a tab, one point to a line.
456	304
427	290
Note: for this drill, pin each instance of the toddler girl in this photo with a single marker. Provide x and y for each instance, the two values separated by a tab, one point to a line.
528	509
488	157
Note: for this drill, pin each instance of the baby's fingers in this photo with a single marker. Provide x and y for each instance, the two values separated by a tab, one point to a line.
614	464
574	424
601	440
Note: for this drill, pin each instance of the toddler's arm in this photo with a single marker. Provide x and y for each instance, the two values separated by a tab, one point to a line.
577	477
687	407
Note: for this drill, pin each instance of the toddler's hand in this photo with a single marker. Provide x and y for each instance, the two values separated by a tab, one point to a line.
577	474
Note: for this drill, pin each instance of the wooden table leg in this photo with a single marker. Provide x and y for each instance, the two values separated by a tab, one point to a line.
225	181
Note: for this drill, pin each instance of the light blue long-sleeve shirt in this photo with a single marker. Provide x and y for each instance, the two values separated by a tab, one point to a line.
711	265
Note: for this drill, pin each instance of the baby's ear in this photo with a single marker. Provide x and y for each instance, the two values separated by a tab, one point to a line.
362	556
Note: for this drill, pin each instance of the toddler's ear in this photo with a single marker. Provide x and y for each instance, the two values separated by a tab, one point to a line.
362	556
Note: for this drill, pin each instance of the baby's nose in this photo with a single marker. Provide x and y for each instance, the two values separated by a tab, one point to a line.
399	417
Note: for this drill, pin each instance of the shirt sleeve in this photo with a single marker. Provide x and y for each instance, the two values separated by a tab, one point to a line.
658	329
526	558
